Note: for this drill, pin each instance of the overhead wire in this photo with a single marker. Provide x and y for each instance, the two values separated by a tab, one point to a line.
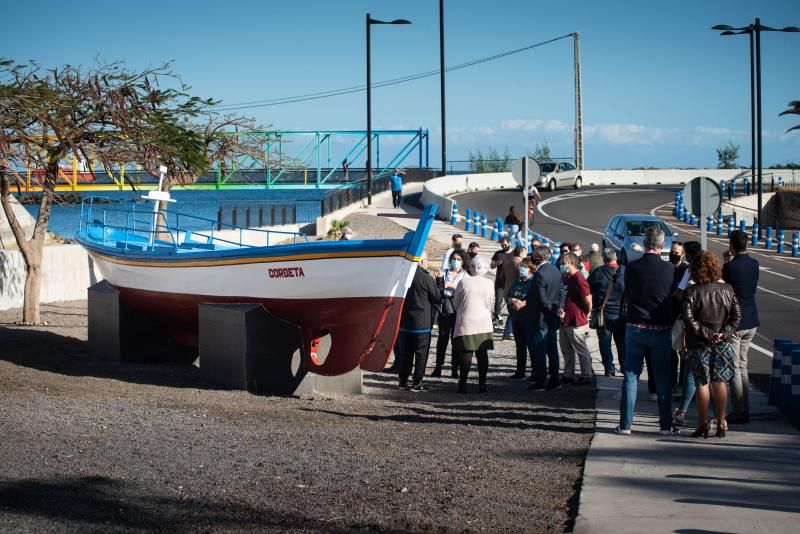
385	83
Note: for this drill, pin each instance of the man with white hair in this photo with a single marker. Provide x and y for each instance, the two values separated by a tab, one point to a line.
649	283
415	325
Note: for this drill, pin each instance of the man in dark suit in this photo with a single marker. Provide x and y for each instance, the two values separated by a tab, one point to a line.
649	282
544	301
415	325
741	272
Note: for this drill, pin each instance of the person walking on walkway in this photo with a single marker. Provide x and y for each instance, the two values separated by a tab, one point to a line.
502	255
741	272
544	301
473	334
415	325
514	222
607	285
577	307
448	283
396	183
711	314
517	314
648	286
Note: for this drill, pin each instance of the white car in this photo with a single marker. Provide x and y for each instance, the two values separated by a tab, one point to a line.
554	175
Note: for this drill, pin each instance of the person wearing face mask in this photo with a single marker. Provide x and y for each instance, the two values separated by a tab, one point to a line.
457	270
577	307
504	254
607	285
477	262
456	241
583	261
517	315
509	275
472	333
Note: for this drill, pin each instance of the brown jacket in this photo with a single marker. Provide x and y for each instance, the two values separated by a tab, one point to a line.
709	309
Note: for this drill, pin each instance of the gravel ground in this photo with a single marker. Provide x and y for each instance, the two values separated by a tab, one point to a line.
93	446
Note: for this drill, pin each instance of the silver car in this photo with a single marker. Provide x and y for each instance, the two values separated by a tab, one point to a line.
625	235
554	175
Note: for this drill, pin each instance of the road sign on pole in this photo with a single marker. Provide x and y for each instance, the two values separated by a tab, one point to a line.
702	198
525	171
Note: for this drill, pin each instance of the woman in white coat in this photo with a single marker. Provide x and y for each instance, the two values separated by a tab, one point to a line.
473	332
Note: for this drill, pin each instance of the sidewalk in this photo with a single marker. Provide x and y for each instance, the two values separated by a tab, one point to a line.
747	481
408	216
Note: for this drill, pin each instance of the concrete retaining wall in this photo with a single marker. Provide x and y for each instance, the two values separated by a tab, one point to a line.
68	272
438	190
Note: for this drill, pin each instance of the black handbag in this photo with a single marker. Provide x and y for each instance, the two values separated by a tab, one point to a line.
597	321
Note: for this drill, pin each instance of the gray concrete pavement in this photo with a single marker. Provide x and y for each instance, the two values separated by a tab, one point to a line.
645	482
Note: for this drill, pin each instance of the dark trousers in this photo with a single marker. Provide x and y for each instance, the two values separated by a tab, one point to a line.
615	329
446	325
466	363
499	295
396	196
521	341
415	352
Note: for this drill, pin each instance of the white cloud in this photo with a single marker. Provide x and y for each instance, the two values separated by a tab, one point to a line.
530	125
712	130
628	134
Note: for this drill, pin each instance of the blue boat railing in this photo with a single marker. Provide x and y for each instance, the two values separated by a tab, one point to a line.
145	229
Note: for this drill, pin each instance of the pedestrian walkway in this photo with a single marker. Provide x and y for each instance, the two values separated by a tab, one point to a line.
407	216
748	481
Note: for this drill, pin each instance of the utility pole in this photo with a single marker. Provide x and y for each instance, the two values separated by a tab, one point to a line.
441	75
578	105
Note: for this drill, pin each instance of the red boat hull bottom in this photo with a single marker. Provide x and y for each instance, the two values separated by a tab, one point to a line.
362	329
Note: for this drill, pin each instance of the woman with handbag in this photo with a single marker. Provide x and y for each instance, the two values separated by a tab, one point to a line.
607	285
711	314
459	266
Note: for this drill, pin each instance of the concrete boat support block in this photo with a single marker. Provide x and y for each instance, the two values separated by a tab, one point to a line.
243	346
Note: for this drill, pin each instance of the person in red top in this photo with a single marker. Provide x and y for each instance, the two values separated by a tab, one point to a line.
575	321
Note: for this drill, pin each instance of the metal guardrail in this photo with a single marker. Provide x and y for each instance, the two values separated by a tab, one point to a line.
772	182
258	213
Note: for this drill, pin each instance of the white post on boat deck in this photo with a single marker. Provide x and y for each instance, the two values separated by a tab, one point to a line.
157	196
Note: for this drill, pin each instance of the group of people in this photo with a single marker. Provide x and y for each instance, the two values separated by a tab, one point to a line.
689	319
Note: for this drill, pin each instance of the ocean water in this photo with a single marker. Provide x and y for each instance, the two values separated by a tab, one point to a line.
64	220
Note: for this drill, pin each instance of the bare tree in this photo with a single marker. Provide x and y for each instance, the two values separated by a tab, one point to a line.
107	111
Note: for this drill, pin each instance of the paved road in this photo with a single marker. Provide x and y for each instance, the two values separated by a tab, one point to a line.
570	215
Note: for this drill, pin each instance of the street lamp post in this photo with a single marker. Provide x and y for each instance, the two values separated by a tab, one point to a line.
754	31
370	22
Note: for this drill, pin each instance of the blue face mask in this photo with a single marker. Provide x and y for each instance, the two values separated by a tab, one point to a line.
455	265
524	272
564	269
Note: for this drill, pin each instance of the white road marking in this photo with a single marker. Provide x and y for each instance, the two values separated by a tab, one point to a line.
568	196
787	297
770	271
760	349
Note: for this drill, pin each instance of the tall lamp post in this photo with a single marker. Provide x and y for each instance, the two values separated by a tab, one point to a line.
756	163
370	22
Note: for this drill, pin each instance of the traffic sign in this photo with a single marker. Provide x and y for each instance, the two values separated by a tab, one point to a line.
702	197
520	171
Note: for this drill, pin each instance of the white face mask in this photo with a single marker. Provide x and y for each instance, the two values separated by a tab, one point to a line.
347	237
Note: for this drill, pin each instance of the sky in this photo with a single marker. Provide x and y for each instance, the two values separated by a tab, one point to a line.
660	89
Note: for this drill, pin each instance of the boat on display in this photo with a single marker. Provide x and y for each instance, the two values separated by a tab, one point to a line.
165	264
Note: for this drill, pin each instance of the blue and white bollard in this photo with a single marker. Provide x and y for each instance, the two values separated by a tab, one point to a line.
755	234
556	252
710	224
484	225
501	229
796	244
545	240
723	184
747	187
794	391
692	219
476	224
743	226
530	240
733	188
768	242
731	224
784	403
774	396
468	221
454	214
780	183
494	231
781	244
720	224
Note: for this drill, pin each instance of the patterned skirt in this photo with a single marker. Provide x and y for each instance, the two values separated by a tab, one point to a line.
712	363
